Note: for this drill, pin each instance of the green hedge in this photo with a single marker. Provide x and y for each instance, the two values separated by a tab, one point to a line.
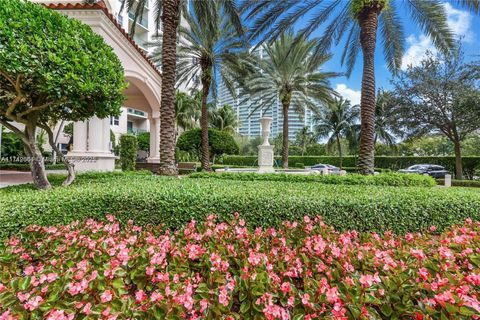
174	202
384	179
26	166
128	152
461	183
470	164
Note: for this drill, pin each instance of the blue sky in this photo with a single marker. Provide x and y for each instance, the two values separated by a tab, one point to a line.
464	24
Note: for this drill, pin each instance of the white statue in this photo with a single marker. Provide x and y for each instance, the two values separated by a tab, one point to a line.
265	150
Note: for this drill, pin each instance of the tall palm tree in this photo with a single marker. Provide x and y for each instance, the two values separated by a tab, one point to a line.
167	13
208	46
336	121
224	119
358	21
305	137
289	74
186	111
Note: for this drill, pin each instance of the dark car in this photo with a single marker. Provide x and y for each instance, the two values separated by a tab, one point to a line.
331	169
432	170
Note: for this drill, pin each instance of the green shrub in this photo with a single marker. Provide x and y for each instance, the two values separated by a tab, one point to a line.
128	152
143	139
461	183
384	179
11	145
174	202
470	164
220	142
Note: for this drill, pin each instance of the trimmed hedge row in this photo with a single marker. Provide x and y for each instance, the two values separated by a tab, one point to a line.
393	163
384	179
174	202
26	166
461	183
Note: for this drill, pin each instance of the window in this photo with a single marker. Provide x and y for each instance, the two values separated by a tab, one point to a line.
63	147
114	120
120	19
130	127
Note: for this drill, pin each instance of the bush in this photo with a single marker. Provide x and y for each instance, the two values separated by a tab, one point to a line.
220	142
385	179
128	152
11	146
217	270
392	163
143	139
173	202
461	183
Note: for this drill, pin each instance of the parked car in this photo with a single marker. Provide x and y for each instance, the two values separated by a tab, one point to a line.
331	169
432	170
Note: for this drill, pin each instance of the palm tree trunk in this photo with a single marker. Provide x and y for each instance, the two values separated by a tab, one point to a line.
205	153
285	105
368	20
170	20
339	146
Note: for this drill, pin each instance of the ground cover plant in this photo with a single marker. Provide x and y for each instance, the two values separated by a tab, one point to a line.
301	270
173	202
386	179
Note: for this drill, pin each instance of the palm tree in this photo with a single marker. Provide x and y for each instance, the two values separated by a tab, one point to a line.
358	21
304	138
187	112
289	74
336	121
224	119
208	47
383	118
168	13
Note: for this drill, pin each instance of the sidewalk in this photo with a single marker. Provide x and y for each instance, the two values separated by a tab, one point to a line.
11	178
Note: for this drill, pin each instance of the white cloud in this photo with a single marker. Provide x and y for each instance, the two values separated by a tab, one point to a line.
458	21
416	51
347	93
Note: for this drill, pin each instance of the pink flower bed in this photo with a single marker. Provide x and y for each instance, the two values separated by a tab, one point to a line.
304	270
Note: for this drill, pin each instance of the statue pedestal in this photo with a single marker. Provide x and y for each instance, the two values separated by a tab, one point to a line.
265	159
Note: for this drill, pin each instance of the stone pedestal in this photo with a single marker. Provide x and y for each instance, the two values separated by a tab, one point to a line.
265	159
448	180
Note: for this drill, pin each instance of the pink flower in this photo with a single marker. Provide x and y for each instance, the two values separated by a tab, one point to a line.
203	305
140	296
285	287
368	280
332	295
306	299
87	309
33	303
106	296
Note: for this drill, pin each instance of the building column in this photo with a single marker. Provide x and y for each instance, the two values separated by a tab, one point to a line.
80	136
91	146
154	140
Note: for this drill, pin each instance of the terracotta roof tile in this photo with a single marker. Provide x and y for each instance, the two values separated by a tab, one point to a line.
100	5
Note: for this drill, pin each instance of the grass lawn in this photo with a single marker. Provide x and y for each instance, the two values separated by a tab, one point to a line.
174	202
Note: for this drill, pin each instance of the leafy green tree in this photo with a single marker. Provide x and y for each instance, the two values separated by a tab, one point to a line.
168	13
211	40
219	143
335	122
52	68
224	119
357	21
289	74
11	146
143	141
441	95
128	152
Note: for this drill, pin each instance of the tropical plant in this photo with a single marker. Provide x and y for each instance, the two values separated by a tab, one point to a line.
224	119
304	138
288	74
357	21
383	118
207	46
336	121
187	111
52	68
168	13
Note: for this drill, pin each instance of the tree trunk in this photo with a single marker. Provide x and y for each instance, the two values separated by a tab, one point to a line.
458	160
339	146
69	165
170	20
205	152
37	164
368	19
285	105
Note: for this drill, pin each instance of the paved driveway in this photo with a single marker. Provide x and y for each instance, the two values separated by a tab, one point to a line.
10	178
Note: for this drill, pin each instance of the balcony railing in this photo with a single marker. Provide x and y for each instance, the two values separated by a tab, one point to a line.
143	21
136	130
